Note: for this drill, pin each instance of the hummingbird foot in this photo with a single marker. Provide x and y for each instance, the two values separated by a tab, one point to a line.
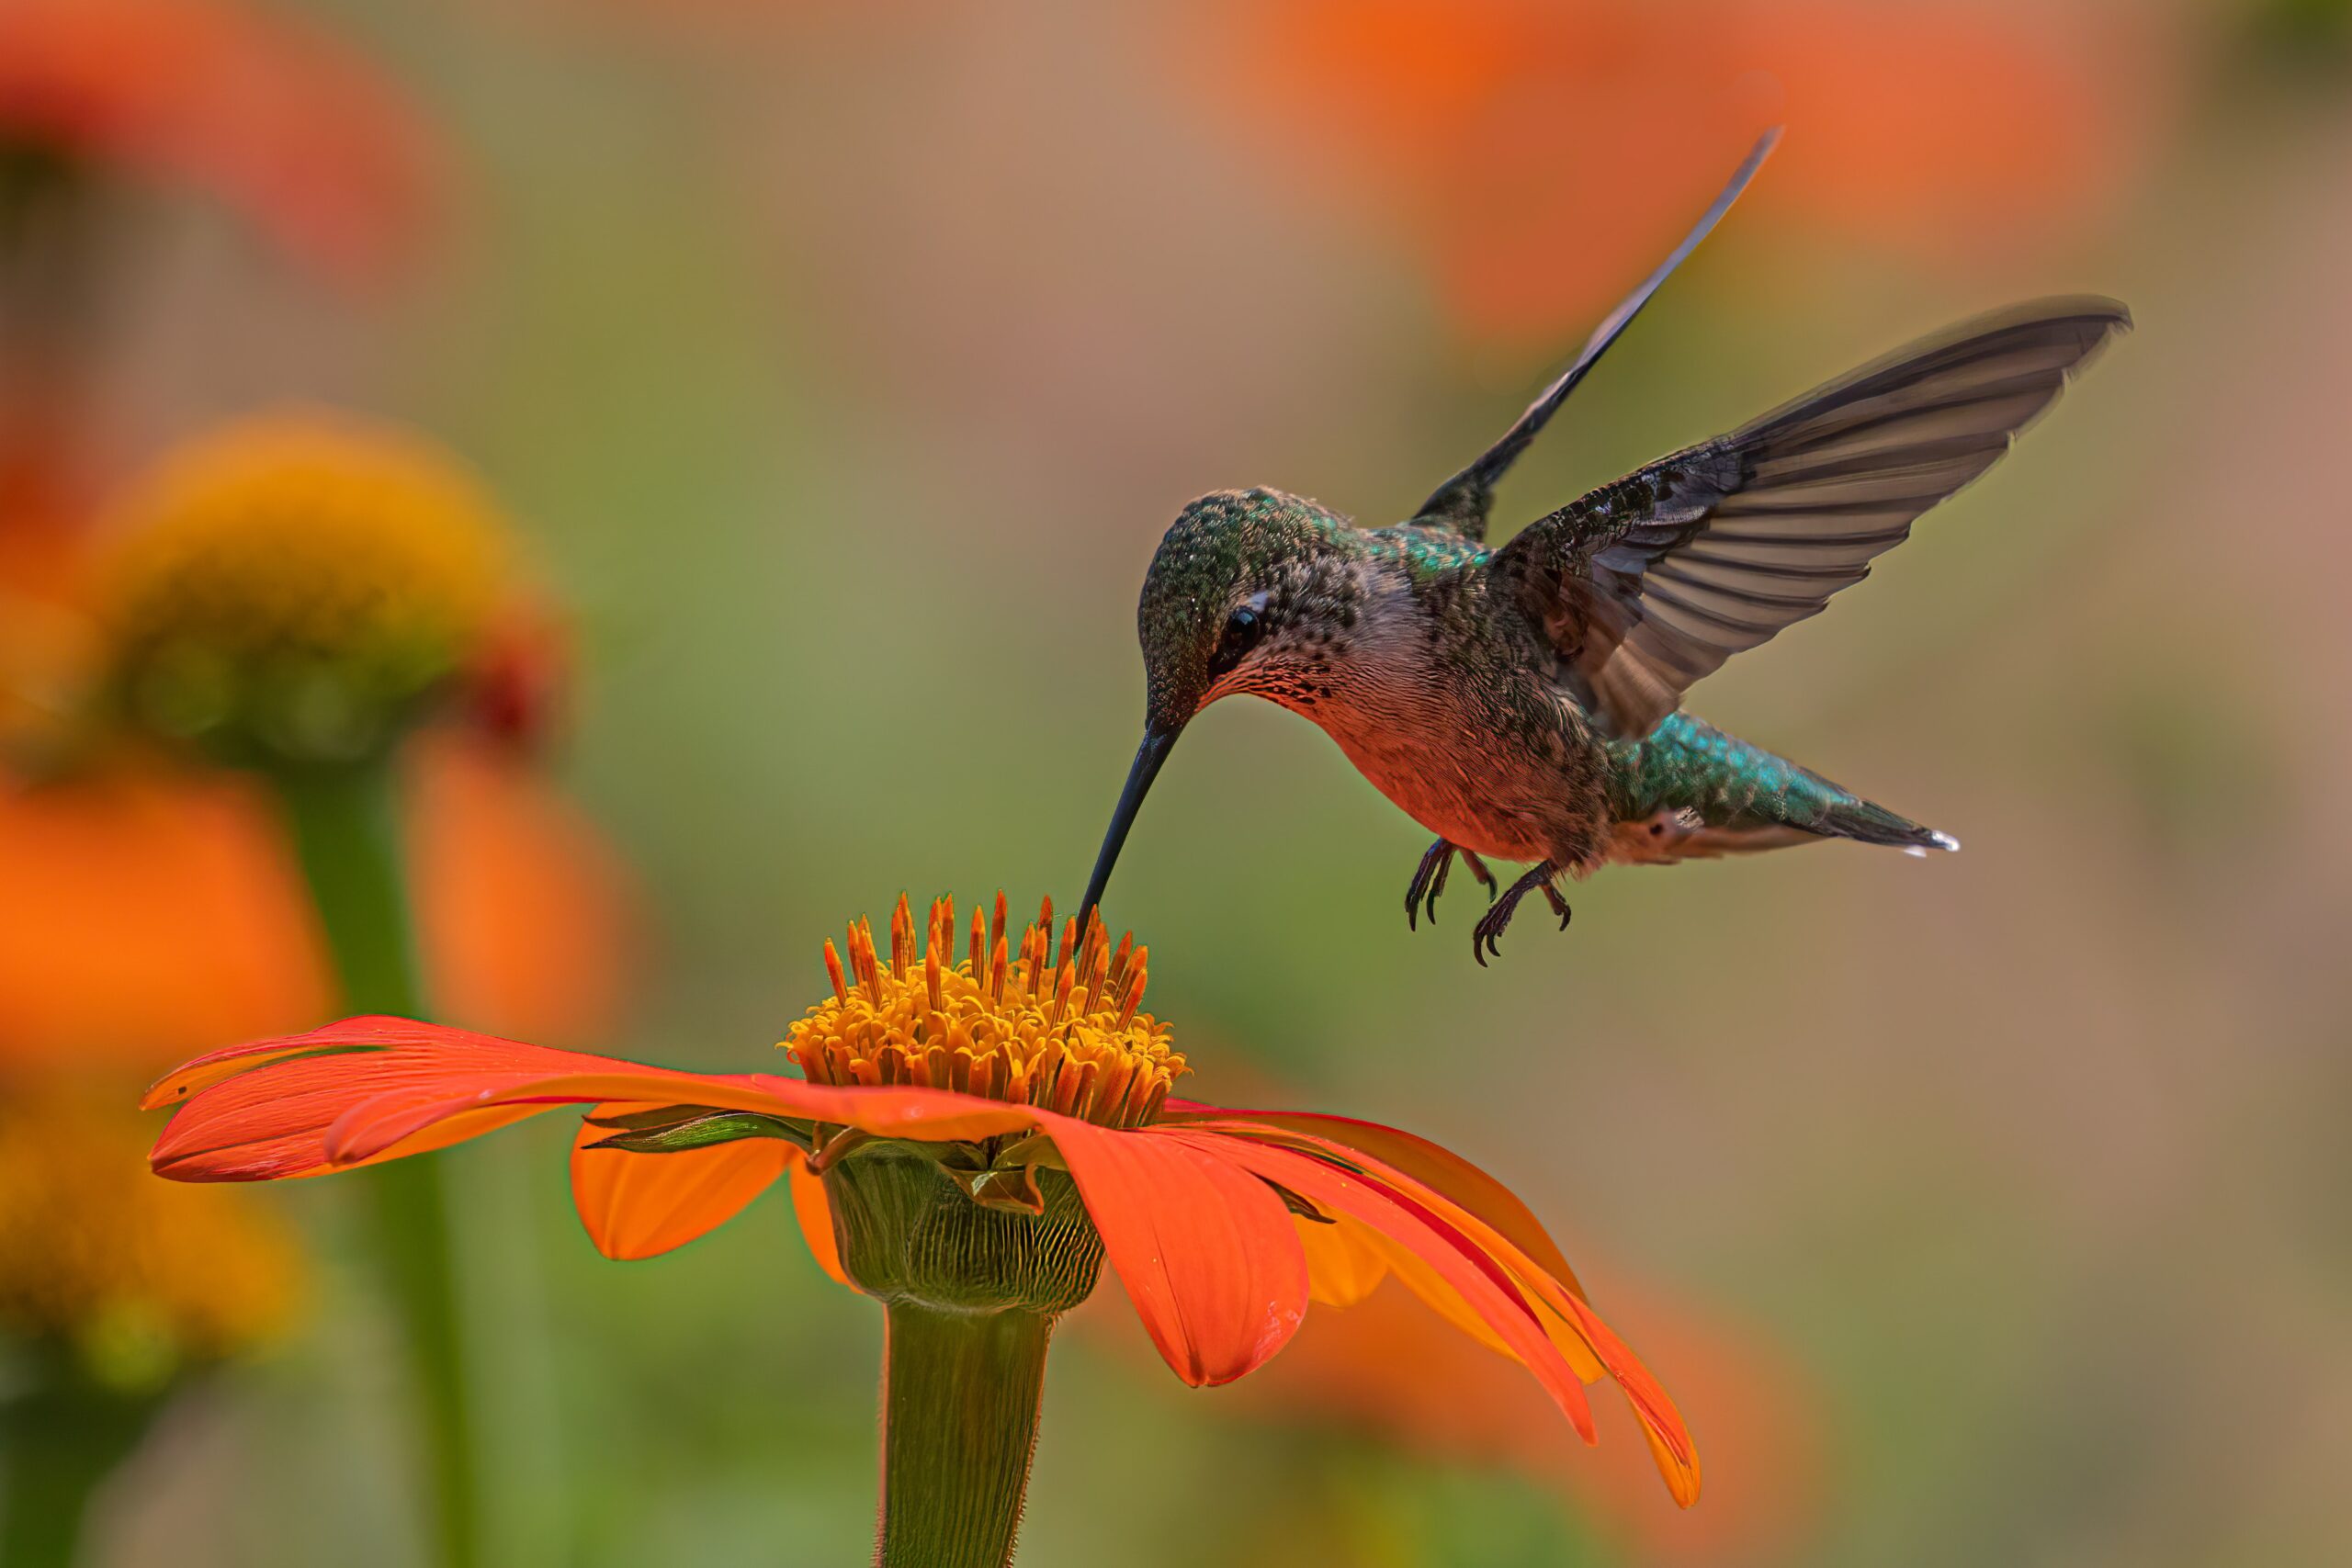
1429	881
1485	938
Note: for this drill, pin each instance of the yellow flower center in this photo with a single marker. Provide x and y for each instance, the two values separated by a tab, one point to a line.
298	579
1004	1021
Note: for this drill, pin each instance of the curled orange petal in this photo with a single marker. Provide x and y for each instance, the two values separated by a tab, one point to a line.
641	1205
815	1213
1480	1284
1343	1265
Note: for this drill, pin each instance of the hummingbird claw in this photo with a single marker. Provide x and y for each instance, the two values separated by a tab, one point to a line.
1486	937
1429	881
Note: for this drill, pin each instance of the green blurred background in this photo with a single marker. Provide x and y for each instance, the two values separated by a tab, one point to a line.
844	364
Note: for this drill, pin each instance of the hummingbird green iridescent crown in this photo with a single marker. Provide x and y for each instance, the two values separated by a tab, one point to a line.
1234	576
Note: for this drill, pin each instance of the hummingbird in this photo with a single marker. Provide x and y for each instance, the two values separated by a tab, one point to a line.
1523	702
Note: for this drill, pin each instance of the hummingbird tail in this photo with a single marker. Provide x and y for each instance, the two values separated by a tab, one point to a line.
1868	823
1688	791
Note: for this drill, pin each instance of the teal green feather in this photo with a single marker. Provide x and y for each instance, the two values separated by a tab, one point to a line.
1687	765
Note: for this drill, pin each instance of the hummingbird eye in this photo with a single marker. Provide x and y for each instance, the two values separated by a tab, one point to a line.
1243	630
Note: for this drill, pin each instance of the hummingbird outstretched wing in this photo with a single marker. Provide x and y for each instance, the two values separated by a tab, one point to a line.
1650	583
1459	505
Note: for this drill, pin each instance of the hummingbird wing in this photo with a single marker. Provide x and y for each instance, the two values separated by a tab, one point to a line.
1650	583
1459	505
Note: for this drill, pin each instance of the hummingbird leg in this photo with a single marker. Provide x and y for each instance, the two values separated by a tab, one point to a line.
1484	940
1429	880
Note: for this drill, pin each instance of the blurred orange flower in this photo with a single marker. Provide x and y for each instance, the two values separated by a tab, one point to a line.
1376	1369
149	913
1542	155
266	111
147	910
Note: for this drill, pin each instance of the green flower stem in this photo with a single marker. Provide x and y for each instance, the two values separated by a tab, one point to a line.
346	835
959	1426
58	1442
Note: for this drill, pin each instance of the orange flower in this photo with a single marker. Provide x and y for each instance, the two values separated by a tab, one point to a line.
1010	1070
151	913
266	112
156	912
1541	155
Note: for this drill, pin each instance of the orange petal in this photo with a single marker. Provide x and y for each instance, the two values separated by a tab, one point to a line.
1205	1250
1342	1266
1548	1284
1482	1290
641	1205
1432	1165
1570	1326
815	1213
374	1087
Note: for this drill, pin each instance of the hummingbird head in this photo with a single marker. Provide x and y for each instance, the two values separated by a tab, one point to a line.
1241	597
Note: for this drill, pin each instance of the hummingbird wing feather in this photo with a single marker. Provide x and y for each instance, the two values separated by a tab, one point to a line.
1459	505
1650	583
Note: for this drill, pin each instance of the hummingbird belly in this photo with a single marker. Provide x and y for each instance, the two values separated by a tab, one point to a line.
1520	786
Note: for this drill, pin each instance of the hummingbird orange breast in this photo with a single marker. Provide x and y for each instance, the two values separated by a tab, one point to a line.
1456	726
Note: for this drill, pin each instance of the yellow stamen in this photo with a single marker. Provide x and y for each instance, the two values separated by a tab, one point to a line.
1066	1036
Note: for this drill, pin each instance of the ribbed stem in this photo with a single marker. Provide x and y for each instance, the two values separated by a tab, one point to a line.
346	835
959	1414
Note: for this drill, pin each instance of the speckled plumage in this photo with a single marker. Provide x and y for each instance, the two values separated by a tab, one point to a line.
1521	700
1409	651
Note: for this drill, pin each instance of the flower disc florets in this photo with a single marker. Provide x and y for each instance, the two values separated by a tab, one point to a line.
297	585
1018	1024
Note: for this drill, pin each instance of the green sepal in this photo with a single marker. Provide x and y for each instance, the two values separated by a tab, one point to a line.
703	1132
658	1116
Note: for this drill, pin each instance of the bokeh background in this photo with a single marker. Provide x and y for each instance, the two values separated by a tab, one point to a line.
842	363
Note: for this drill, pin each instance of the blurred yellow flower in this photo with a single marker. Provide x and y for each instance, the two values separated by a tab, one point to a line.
299	583
139	1279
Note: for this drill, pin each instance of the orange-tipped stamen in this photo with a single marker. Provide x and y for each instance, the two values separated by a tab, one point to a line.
902	938
1138	971
1066	1036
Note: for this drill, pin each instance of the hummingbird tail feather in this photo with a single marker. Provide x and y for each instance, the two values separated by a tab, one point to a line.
1689	791
1868	823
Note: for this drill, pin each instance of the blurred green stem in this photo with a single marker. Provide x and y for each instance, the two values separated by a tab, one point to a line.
57	1443
346	835
959	1426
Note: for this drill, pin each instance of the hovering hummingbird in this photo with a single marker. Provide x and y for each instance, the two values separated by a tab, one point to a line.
1520	702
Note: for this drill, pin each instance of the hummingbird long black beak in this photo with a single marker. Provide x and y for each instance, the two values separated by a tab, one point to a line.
1157	742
